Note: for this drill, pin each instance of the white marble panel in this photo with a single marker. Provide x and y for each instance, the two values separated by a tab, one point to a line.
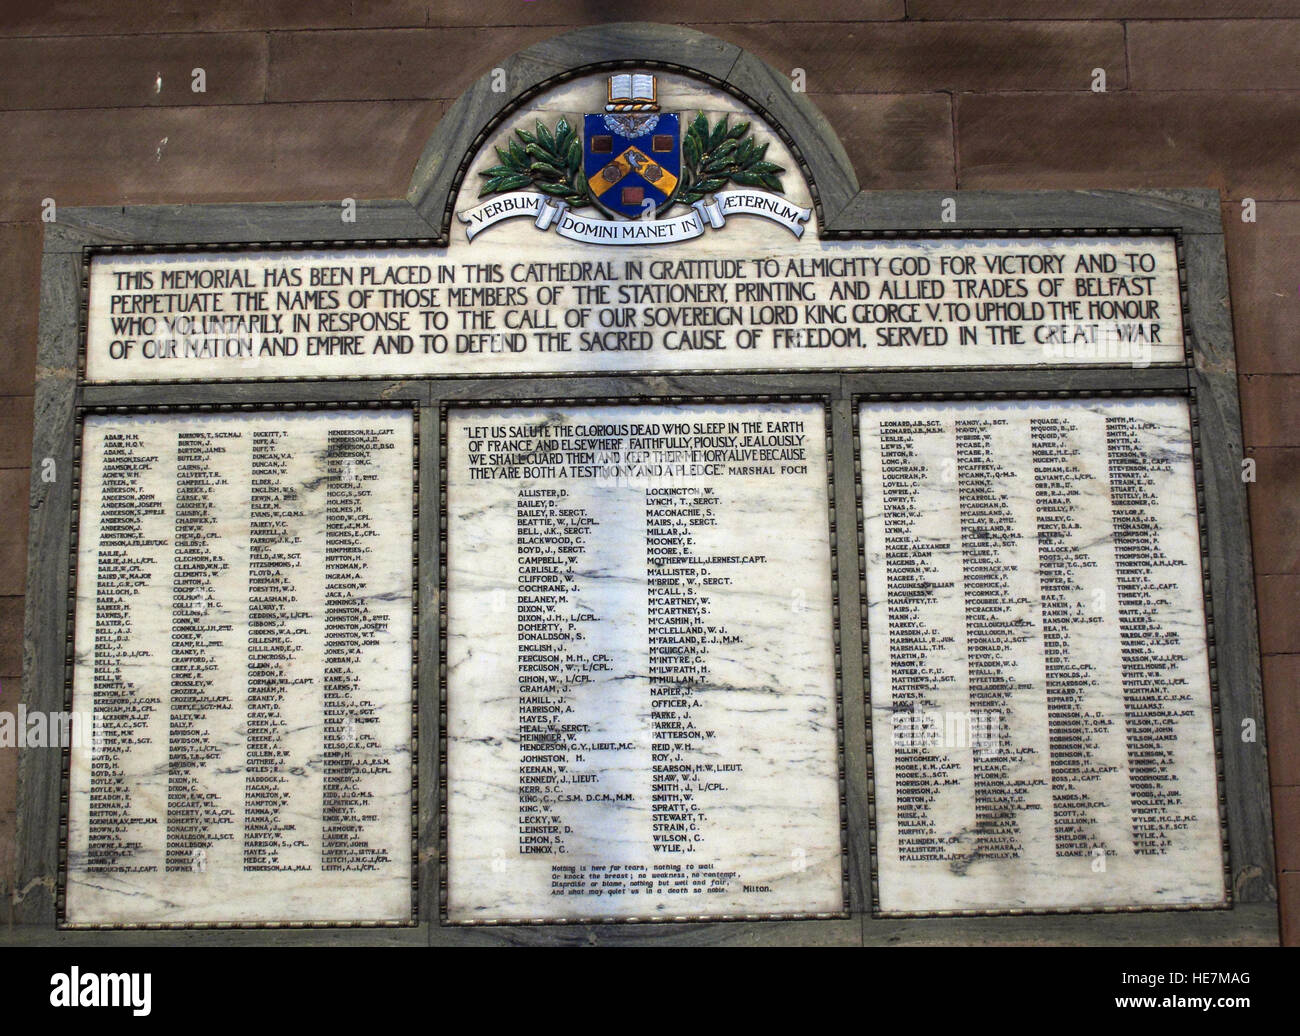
1041	715
1041	724
641	701
243	645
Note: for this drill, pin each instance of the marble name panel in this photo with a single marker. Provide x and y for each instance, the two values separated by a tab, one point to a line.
1041	727
244	652
642	716
748	302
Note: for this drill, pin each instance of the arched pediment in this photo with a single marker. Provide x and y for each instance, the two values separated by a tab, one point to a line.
694	71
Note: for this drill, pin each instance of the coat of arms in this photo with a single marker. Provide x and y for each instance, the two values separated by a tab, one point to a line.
634	162
632	155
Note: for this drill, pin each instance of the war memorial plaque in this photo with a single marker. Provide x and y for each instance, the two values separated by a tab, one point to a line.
638	522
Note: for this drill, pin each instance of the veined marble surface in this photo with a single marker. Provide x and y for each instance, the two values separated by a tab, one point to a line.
640	661
1041	716
243	639
746	296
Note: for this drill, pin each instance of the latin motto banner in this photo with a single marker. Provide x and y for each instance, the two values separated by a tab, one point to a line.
553	212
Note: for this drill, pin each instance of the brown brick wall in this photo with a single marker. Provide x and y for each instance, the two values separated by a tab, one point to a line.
324	99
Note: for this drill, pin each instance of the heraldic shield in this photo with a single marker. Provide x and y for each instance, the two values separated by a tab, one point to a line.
631	159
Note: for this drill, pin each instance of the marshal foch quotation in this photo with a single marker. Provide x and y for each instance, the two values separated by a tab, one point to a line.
685	537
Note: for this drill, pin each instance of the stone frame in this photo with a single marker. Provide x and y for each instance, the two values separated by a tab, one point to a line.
843	211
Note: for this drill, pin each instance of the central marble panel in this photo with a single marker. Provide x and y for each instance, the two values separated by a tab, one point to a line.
642	715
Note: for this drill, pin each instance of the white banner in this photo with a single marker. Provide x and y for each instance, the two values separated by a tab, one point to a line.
548	212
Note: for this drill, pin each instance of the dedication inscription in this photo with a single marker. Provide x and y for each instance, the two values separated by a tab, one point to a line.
636	223
1042	725
244	647
641	698
747	304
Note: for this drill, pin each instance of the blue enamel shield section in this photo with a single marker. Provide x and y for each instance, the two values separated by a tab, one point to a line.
630	159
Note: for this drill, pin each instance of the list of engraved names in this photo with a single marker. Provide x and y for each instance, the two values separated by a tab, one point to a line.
243	643
641	703
1042	726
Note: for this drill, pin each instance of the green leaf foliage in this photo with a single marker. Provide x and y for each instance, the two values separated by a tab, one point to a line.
713	155
718	154
549	161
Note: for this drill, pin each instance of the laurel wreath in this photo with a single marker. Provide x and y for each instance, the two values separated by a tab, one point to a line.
712	156
549	161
